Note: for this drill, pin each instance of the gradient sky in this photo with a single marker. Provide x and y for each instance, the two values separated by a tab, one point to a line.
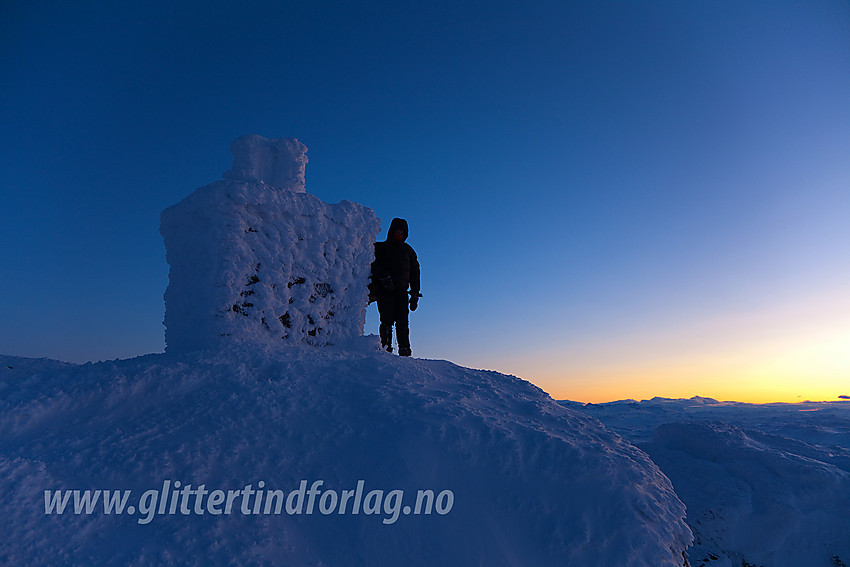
610	199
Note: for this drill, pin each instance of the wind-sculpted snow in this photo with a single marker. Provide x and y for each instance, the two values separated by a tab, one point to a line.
533	483
765	485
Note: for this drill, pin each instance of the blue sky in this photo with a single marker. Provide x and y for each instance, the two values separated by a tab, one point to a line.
610	199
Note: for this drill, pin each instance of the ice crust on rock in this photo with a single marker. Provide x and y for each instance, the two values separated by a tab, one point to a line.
258	262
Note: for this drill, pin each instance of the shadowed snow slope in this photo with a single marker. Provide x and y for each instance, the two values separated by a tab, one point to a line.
765	485
517	478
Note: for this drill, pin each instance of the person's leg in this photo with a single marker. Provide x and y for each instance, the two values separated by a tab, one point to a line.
401	324
386	306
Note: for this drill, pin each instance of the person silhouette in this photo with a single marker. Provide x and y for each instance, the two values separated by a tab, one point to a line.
395	269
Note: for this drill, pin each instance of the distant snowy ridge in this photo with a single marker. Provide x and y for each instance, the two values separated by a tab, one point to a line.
765	484
534	483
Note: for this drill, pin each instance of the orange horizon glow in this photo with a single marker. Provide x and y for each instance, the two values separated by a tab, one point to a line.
732	389
799	352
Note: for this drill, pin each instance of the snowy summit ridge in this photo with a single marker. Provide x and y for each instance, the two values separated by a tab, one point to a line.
255	258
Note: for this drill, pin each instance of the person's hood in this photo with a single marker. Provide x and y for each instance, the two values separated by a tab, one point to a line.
396	224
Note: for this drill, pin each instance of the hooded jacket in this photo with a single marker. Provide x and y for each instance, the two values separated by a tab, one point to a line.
396	259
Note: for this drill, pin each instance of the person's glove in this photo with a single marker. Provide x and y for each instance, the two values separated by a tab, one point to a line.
414	300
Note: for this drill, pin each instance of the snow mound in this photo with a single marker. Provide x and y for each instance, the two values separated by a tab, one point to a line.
252	262
765	485
519	479
752	499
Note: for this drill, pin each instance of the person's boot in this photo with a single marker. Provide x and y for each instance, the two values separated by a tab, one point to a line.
386	337
402	332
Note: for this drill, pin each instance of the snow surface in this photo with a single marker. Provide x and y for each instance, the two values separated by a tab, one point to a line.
765	485
254	262
534	483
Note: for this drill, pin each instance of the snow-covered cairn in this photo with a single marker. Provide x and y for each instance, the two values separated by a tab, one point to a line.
256	258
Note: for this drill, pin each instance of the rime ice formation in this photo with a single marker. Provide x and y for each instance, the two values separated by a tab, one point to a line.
279	163
255	258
